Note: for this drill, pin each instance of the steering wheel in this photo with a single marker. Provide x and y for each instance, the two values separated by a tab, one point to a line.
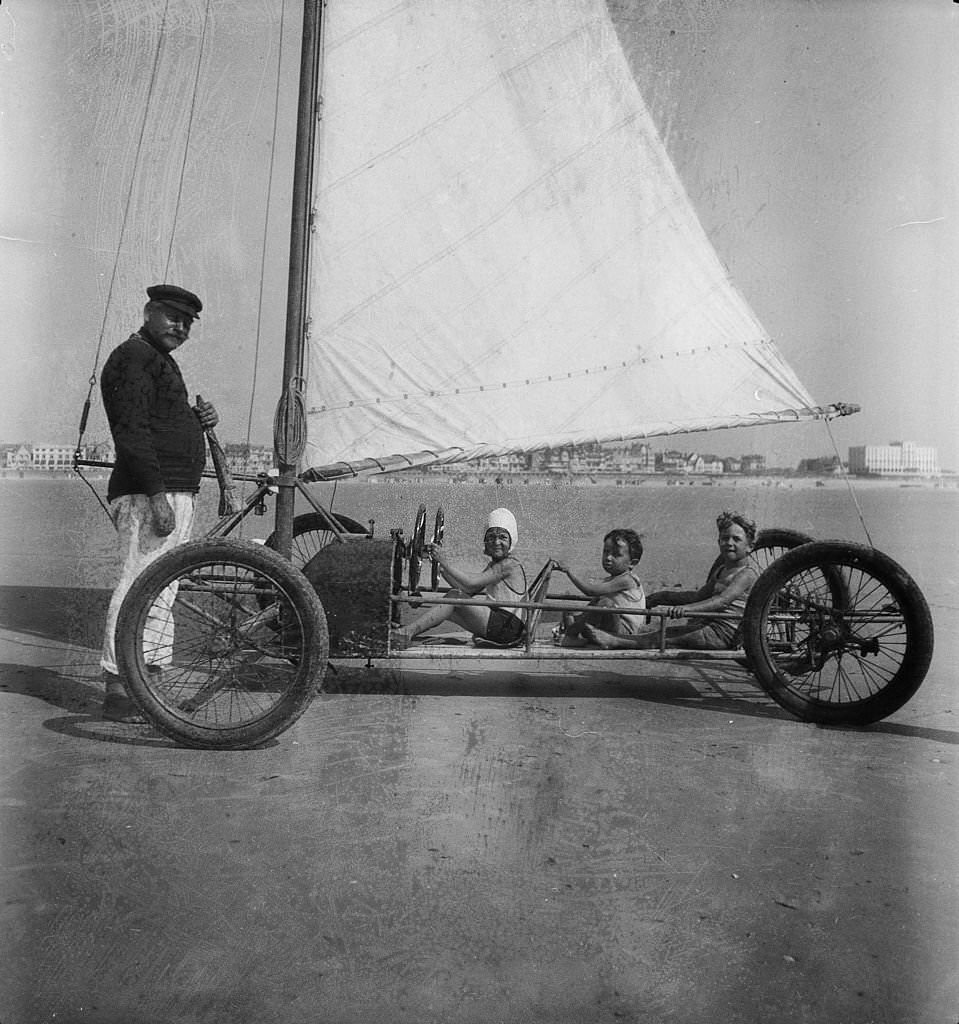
417	546
438	525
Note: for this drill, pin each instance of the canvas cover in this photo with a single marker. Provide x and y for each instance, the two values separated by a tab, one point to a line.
504	257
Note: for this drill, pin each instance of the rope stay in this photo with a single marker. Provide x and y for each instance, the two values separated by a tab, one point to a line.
123	227
186	144
289	424
92	383
138	161
849	486
266	227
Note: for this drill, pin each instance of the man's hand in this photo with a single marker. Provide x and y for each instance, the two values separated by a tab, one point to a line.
164	518
206	414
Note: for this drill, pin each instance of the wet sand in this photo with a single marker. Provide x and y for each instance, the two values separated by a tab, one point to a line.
473	847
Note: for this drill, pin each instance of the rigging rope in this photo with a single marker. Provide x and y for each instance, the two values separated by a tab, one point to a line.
849	486
293	425
186	145
116	259
266	226
289	424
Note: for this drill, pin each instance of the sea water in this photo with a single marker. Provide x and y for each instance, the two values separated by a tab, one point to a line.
55	533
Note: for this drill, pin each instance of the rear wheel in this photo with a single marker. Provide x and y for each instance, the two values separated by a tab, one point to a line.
847	654
311	532
222	643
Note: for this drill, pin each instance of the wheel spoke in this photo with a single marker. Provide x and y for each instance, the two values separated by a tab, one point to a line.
839	633
222	644
312	533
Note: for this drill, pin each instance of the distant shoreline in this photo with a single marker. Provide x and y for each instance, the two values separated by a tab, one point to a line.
583	480
657	481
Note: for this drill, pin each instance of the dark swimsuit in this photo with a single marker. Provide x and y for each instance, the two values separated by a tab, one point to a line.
503	626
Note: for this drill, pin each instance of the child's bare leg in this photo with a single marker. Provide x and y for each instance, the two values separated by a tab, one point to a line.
475	618
577	635
432	616
573	623
643	640
690	636
608	621
471	617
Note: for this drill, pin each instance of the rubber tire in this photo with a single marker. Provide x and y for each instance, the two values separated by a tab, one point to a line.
306	646
310	533
860	563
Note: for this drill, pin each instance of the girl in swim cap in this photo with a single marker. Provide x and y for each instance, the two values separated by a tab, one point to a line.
502	579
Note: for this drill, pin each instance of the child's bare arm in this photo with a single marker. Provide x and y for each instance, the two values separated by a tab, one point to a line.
473	582
597	588
681	597
673	597
708	601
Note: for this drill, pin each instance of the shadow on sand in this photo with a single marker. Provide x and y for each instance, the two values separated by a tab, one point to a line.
68	615
74	616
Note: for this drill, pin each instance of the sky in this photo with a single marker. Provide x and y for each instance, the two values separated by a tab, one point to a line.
817	141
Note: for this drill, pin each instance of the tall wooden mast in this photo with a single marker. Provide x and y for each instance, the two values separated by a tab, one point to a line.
290	426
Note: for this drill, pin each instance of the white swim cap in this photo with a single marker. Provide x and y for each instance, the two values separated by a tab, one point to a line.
503	519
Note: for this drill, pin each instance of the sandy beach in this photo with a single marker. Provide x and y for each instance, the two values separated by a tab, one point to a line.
453	844
458	847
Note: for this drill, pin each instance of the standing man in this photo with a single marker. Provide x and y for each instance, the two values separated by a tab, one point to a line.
160	454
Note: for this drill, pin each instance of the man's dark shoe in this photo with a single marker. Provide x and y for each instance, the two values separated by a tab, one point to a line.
118	707
117	704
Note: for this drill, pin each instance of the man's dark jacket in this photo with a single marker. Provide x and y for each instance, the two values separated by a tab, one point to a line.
158	439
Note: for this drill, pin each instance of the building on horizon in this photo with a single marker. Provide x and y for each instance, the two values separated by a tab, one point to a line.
822	465
898	458
52	456
17	456
245	459
752	464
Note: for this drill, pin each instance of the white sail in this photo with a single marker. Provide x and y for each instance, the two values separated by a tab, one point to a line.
504	256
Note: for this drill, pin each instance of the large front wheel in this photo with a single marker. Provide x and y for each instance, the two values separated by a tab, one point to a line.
838	633
222	643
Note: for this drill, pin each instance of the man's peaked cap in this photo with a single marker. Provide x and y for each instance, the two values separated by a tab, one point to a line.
177	298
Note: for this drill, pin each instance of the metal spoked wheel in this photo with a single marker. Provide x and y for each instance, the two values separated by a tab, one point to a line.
222	643
311	532
841	654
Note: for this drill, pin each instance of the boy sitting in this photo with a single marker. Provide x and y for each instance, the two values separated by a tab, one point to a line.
622	551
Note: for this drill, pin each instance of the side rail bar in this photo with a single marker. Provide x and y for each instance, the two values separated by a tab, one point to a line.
557	606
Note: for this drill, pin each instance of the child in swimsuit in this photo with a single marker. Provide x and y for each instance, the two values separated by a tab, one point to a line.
622	550
726	588
502	579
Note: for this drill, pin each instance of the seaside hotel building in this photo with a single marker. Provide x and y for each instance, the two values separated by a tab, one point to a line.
899	458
